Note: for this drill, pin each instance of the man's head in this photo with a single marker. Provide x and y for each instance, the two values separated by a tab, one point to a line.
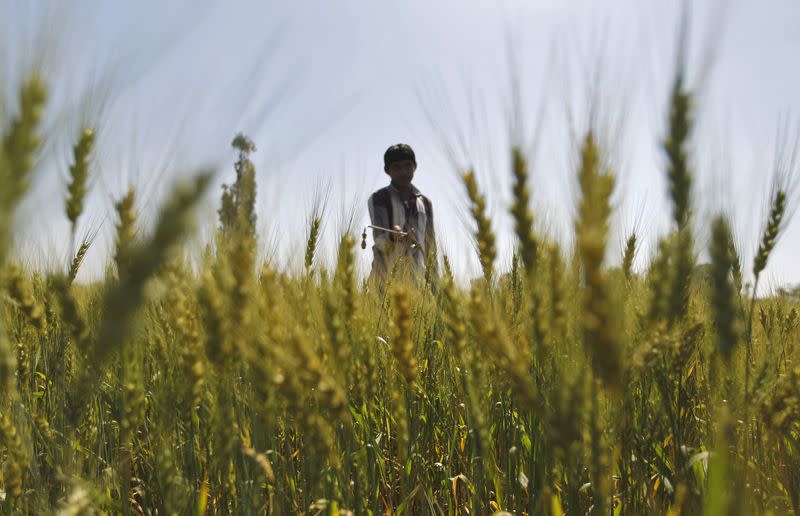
400	163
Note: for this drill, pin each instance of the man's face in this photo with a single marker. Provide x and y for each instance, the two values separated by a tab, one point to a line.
401	172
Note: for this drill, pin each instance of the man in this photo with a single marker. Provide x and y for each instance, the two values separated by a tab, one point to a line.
406	237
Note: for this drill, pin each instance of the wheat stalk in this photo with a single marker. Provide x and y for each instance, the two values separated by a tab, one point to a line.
722	291
600	336
523	219
79	174
484	235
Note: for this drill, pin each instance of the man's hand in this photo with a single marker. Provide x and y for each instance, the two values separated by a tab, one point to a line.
399	236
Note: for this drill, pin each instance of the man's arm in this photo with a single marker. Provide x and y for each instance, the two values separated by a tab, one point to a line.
379	217
381	239
431	252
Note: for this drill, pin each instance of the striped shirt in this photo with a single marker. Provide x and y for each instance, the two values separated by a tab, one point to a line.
415	216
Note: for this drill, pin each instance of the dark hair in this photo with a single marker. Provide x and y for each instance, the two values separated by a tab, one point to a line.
398	152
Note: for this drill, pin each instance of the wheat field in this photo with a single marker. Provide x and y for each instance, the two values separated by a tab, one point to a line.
562	386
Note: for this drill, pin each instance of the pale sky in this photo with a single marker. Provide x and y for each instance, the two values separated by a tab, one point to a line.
324	87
